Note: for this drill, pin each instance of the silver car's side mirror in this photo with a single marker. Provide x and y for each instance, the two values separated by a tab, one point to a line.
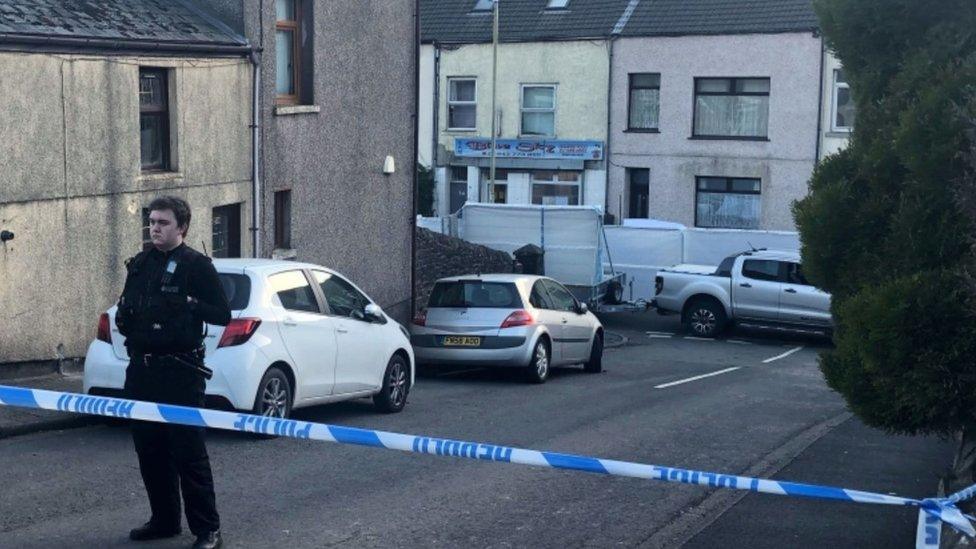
373	312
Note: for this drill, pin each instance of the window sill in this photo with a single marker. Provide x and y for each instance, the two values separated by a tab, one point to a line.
288	110
642	130
838	133
726	138
462	130
160	176
284	253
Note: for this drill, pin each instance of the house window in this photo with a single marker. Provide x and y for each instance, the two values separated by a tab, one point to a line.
287	51
497	189
554	188
153	120
462	103
282	220
844	113
639	180
727	202
736	108
483	5
645	92
557	4
226	222
538	110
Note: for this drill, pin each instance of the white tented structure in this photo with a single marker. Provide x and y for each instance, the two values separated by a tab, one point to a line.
570	236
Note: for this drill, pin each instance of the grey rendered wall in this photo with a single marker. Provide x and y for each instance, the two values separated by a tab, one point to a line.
346	214
784	163
72	191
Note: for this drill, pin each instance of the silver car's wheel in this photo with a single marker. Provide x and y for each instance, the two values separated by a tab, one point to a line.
539	366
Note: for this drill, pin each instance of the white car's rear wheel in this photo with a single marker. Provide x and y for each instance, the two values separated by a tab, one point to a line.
274	395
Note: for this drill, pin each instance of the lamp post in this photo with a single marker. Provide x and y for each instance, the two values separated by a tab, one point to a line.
494	89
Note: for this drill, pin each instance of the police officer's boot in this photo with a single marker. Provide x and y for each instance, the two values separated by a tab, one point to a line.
151	531
210	540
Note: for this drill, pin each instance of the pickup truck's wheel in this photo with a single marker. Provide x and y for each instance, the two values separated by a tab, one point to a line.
705	318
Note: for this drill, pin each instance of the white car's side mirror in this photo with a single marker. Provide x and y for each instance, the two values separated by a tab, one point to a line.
373	312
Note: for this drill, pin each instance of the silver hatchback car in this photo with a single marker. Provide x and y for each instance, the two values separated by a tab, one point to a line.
513	320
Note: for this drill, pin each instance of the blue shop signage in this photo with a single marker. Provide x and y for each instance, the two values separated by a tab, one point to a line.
480	147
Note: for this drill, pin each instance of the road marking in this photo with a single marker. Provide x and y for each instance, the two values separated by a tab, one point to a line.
669	334
696	378
693	338
739	342
784	355
660	336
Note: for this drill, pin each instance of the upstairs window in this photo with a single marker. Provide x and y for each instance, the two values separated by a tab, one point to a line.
462	103
642	110
731	108
538	111
288	52
153	119
844	113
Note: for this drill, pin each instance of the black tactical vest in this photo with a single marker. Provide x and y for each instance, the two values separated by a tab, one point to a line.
153	313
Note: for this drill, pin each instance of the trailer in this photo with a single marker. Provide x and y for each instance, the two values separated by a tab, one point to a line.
572	242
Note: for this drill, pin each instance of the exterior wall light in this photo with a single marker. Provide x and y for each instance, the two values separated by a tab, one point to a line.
389	166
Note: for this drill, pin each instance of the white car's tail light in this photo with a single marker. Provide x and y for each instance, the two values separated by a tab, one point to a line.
518	318
238	331
104	330
421	318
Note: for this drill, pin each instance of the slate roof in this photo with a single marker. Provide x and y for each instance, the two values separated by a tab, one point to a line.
452	21
689	17
130	23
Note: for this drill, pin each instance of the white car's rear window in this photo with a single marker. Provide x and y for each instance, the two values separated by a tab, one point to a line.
237	288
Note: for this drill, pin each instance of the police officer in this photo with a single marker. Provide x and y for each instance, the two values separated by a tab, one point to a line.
170	291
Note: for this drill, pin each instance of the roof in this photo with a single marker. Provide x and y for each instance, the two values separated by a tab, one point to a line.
116	24
690	17
452	21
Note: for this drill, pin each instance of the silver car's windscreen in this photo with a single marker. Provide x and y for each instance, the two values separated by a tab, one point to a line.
237	288
475	293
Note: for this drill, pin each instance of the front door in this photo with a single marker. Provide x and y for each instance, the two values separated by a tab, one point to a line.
459	195
308	334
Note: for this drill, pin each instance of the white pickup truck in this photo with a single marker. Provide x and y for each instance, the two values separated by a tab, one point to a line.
759	287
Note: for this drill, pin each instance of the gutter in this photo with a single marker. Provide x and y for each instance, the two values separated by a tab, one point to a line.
816	150
62	43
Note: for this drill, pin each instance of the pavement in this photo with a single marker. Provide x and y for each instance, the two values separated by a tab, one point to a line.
24	421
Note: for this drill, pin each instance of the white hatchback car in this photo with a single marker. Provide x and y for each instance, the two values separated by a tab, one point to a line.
516	320
300	335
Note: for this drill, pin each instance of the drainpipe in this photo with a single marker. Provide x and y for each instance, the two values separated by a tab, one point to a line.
816	153
606	151
255	156
416	151
435	131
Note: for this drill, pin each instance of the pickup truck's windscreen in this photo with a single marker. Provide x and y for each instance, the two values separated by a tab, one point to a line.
474	293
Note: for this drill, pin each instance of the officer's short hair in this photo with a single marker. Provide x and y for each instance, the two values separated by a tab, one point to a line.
175	204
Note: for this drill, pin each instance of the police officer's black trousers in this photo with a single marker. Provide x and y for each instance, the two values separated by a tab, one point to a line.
172	457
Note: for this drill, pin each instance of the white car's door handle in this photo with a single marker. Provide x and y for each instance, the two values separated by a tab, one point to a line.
288	321
342	331
565	321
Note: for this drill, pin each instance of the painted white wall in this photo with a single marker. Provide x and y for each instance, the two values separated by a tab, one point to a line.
425	110
784	163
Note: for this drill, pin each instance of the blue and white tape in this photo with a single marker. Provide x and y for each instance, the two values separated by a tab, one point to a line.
932	512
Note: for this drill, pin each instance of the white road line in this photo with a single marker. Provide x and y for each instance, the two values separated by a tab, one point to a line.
693	338
696	378
739	342
784	355
660	336
669	334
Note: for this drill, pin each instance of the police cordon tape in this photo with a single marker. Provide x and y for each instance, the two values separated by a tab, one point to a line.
932	511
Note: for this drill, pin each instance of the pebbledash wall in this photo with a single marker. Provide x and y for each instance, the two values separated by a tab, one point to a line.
72	189
440	256
784	163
